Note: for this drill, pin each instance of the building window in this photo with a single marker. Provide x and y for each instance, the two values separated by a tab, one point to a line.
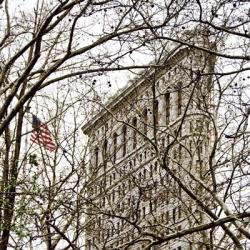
106	127
179	99
162	181
155	185
156	166
96	156
114	146
168	139
179	191
145	121
179	152
89	244
150	206
190	245
162	221
207	126
129	202
104	152
124	140
166	197
174	214
190	144
155	205
130	165
156	112
199	147
119	192
134	123
191	126
179	212
140	157
175	155
199	126
167	217
163	143
123	189
140	177
167	107
118	227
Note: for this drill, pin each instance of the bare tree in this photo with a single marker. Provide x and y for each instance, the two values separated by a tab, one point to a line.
54	44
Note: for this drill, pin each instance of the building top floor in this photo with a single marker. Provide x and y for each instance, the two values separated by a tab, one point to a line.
151	109
175	72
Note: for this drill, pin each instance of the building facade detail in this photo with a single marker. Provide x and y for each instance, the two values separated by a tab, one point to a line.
146	146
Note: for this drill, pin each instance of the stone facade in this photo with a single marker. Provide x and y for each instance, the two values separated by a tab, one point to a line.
154	133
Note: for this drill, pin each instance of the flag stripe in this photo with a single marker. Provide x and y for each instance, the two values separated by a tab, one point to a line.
43	142
41	139
41	134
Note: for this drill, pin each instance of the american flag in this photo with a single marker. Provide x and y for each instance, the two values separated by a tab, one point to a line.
41	134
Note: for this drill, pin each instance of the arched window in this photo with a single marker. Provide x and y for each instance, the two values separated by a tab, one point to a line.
145	121
96	156
156	112
114	147
134	123
124	140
